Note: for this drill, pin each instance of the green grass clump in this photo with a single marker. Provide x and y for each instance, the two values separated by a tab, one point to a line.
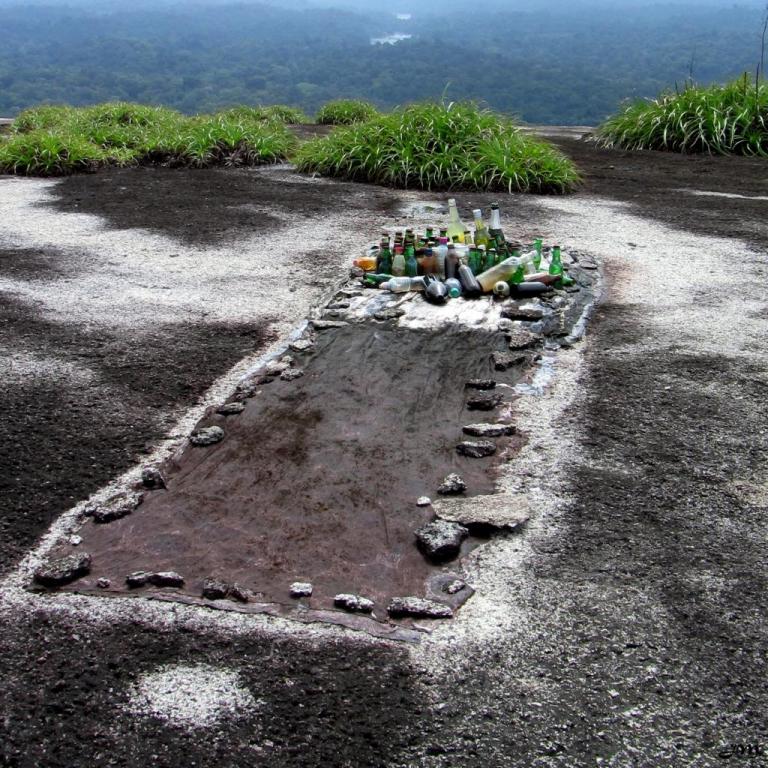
346	112
718	119
54	141
280	113
436	146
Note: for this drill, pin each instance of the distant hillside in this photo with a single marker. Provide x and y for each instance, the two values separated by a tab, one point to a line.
547	66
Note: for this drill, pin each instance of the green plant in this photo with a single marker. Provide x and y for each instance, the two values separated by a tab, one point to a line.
278	112
438	146
45	153
719	119
346	112
46	116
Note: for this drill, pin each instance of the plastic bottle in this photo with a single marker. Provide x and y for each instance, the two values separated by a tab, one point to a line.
455	227
403	284
452	262
398	262
435	290
501	289
468	281
529	289
503	271
454	287
441	256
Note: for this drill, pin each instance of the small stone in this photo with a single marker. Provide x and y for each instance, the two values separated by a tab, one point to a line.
489	430
56	573
514	311
476	450
423	501
137	579
207	436
301	589
391	313
276	367
481	384
166	579
338	305
75	541
213	589
353	603
240	593
521	339
454	587
152	478
452	484
418	607
334	313
291	374
246	391
288	359
230	409
503	361
323	325
441	540
103	583
117	508
485	402
302	345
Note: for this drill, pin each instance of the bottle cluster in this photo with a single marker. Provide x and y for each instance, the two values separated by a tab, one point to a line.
462	261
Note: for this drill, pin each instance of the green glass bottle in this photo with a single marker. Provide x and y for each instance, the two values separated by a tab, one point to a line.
474	261
384	259
518	276
411	265
490	259
537	246
556	263
495	232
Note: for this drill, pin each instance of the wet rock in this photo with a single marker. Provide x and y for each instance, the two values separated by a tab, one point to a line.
521	339
391	313
481	384
302	345
166	579
451	485
103	583
476	450
301	589
152	478
230	409
454	587
441	540
489	430
418	607
213	589
322	325
137	579
423	501
292	374
117	508
515	311
56	573
207	436
485	402
240	593
276	367
353	603
503	361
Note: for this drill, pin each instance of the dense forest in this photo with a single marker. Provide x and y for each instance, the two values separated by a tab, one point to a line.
545	64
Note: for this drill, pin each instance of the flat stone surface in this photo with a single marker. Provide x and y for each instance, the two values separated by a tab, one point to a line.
519	311
489	430
302	345
166	579
324	325
503	361
478	449
441	540
418	607
207	436
483	384
117	508
230	409
498	510
485	402
521	339
56	573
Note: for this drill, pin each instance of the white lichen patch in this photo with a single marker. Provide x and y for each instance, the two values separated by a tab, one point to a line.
192	696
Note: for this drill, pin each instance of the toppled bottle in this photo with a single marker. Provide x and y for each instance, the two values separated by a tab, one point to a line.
435	291
454	287
468	281
403	284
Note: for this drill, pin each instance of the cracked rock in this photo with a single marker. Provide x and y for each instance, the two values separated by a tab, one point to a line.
152	478
441	540
514	311
418	607
291	374
484	402
353	603
302	589
166	579
489	430
207	436
302	345
56	573
503	361
230	409
477	450
452	484
213	589
391	313
240	593
322	325
117	508
521	339
481	384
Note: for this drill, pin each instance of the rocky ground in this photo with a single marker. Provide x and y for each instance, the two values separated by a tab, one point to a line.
624	627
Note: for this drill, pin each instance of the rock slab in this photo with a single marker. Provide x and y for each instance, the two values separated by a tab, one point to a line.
353	603
476	450
56	573
451	485
207	436
117	508
418	607
485	402
503	361
214	589
489	430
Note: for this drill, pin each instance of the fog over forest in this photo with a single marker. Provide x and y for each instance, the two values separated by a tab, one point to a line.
545	61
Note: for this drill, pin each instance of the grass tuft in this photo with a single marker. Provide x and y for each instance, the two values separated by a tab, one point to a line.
436	146
54	141
346	112
717	119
